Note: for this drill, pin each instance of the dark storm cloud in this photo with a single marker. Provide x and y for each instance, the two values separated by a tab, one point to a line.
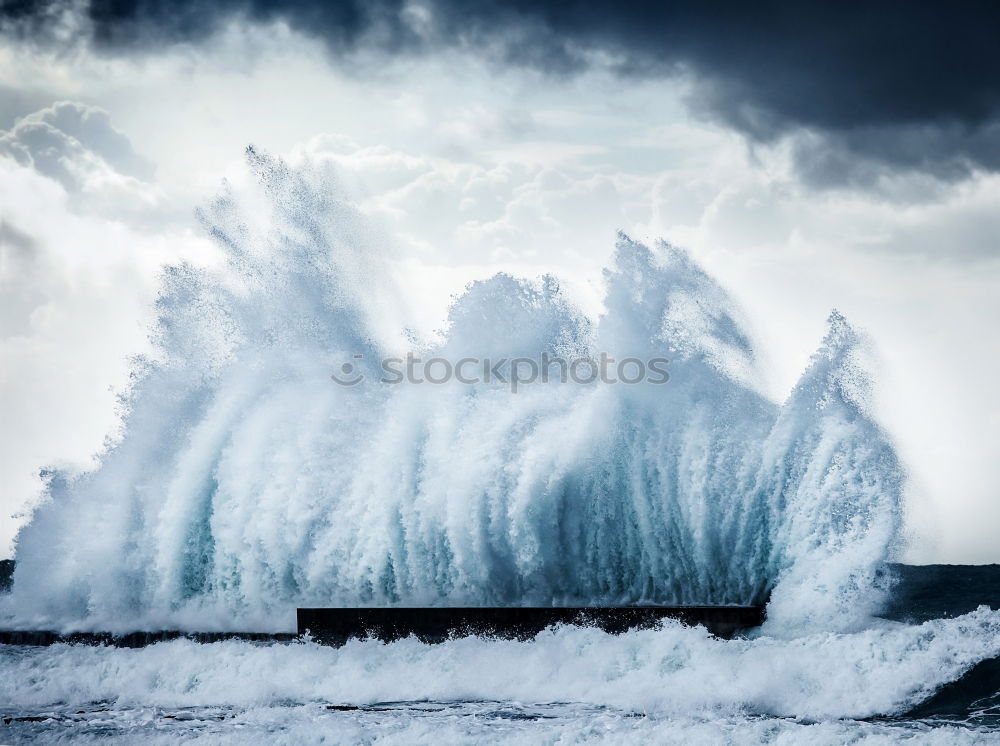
884	85
137	24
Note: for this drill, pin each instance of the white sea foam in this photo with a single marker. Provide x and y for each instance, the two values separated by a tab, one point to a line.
674	677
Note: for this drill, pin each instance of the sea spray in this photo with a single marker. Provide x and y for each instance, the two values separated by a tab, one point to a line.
245	482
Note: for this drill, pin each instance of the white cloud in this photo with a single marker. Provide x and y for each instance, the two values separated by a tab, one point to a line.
74	144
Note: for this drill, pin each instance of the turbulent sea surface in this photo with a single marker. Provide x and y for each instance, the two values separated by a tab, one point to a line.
930	674
244	483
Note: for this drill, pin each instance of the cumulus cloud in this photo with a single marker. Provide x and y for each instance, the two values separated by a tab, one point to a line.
456	211
73	143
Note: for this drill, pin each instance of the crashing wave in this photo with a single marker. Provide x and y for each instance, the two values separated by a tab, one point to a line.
245	482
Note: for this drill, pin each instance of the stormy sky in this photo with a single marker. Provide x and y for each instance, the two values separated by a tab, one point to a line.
810	155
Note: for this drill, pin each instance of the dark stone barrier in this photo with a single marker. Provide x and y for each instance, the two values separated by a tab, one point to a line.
131	639
432	624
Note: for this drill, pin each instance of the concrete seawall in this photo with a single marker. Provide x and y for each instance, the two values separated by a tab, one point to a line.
337	625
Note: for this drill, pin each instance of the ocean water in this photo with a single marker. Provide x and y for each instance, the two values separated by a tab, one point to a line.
244	482
936	681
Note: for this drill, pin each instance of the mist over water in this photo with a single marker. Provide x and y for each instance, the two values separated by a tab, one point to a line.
246	482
